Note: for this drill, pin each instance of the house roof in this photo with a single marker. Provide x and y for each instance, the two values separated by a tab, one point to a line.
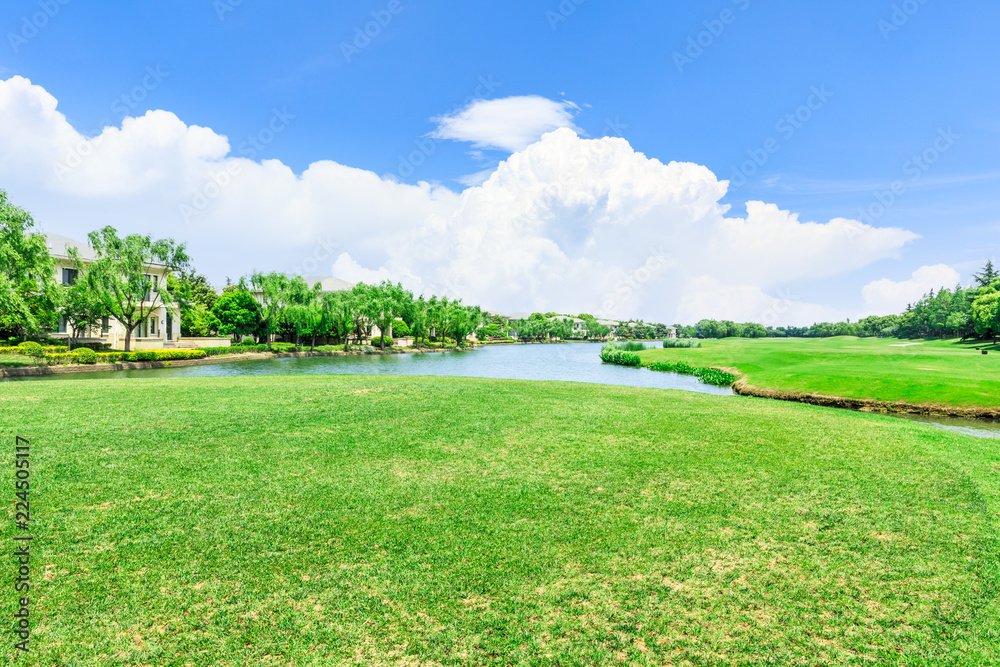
59	247
329	283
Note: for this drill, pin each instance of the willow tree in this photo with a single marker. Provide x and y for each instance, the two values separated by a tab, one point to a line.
29	295
124	273
271	292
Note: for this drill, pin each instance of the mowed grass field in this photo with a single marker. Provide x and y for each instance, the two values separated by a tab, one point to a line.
940	372
335	520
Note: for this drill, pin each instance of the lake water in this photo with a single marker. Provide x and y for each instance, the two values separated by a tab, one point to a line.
571	362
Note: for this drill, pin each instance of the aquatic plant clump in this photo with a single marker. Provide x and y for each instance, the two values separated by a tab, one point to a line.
706	375
615	354
681	342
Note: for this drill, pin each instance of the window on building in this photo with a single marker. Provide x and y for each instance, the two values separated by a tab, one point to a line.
105	326
69	276
152	326
62	325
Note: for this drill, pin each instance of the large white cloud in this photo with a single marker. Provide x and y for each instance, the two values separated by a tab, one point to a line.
566	223
885	297
509	123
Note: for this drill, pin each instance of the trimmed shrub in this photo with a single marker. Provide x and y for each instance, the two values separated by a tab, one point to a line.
377	342
235	349
85	355
401	329
247	341
31	349
283	347
163	355
61	358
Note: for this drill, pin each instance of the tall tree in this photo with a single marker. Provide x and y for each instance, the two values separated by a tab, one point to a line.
986	311
987	276
29	295
236	313
385	304
125	271
83	308
303	309
341	308
271	292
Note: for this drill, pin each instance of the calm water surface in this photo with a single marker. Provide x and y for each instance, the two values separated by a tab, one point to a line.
572	362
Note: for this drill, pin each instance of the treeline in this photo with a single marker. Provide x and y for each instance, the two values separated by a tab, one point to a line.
262	306
964	313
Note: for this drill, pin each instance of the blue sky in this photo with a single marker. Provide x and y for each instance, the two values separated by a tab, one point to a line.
894	78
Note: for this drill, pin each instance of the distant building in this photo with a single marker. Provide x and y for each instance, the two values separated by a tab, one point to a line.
162	327
579	326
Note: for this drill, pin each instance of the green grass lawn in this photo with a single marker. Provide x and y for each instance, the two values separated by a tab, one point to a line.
327	520
16	361
941	372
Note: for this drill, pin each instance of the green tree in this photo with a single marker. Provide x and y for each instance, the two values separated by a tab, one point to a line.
271	290
83	308
124	272
385	303
236	313
29	295
986	311
303	309
987	276
341	308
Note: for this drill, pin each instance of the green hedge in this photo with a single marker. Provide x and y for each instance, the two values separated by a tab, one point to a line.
377	341
234	349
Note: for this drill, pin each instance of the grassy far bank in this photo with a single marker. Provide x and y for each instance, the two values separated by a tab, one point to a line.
405	520
933	371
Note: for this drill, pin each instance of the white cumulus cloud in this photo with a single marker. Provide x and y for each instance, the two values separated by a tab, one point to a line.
885	297
510	123
565	223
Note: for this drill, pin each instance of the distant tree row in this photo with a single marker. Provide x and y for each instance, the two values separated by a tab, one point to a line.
262	306
965	313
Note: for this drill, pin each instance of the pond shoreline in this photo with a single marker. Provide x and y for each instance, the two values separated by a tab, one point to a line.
42	371
744	388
